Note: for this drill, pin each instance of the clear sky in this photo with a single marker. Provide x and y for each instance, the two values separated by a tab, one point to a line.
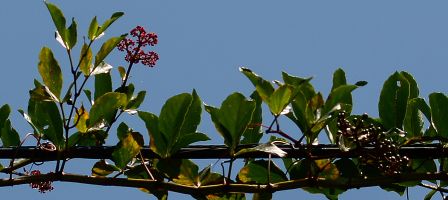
202	44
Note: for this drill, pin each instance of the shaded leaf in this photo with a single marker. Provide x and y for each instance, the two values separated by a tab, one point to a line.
103	85
135	102
46	120
254	132
393	101
9	135
257	172
102	168
105	107
108	22
128	147
347	168
152	125
413	120
71	34
439	113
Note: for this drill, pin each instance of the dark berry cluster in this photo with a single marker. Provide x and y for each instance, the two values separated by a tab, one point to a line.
134	49
43	186
359	133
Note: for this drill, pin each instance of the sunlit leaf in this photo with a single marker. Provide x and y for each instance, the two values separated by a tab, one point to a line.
103	85
71	34
263	87
254	132
269	148
86	59
80	119
135	101
413	120
108	22
122	72
279	99
58	18
50	71
152	125
93	28
106	48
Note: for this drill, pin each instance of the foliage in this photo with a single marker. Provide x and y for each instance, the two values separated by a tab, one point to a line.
370	150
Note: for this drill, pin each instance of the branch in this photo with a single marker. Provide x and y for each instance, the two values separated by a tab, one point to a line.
341	183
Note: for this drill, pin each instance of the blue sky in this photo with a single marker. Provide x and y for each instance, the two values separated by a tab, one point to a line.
202	44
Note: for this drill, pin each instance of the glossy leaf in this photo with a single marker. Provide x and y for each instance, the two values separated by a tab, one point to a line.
108	22
263	87
105	107
85	59
103	85
102	68
257	172
393	101
439	112
128	147
50	71
233	118
93	28
135	102
339	95
102	168
106	48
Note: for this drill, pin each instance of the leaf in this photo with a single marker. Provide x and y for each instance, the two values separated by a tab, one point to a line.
105	107
103	85
439	113
122	72
180	116
102	68
106	48
257	172
46	120
226	196
58	18
340	95
430	194
413	120
71	35
254	132
347	168
88	94
102	168
339	79
183	171
187	139
81	118
152	125
93	28
108	22
262	196
263	87
128	147
269	148
135	102
393	101
5	110
9	135
233	118
50	71
85	59
279	99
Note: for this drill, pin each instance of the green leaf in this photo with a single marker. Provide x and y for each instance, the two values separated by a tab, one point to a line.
430	194
393	101
122	72
439	113
123	130
9	135
103	85
128	147
80	119
108	22
135	102
85	59
46	120
339	79
179	118
347	168
233	118
105	107
339	95
152	125
413	120
106	48
50	71
254	131
88	94
279	99
263	87
58	18
5	110
413	87
182	171
257	172
262	196
102	168
71	35
93	28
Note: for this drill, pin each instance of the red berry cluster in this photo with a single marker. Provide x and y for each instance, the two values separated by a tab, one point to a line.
43	186
134	49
